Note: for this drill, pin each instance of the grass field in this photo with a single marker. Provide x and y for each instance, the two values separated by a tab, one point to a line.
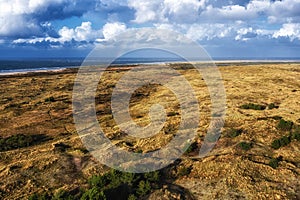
42	153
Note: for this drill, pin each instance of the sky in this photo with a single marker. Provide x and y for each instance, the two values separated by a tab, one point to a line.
72	28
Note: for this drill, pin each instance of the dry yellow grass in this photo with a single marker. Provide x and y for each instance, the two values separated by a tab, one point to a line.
227	173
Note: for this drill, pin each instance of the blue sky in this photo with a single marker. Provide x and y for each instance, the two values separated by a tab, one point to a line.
66	28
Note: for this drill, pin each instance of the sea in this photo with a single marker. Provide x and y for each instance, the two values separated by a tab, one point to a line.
18	65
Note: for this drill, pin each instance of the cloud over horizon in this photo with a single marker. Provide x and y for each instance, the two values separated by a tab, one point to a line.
55	24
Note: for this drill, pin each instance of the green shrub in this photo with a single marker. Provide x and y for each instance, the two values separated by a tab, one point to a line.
117	181
281	142
21	141
143	188
272	106
296	136
93	194
152	176
183	171
296	133
110	185
253	106
63	195
285	140
285	125
132	197
235	132
98	181
245	146
274	162
50	99
276	117
43	196
276	144
128	178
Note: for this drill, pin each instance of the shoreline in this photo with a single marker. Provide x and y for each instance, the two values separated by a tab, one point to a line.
74	69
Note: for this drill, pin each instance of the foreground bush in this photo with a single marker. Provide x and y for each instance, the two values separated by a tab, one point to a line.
115	185
122	185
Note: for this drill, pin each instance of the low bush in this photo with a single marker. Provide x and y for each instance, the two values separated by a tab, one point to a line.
132	197
276	117
93	194
285	140
234	132
281	142
42	196
63	195
253	106
276	144
274	162
245	146
20	141
129	183
143	188
285	125
296	136
183	171
112	185
272	106
296	133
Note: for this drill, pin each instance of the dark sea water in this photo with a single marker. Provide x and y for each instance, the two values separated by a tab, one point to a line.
27	65
24	65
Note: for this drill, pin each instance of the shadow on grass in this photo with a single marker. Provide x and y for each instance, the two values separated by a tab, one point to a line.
22	141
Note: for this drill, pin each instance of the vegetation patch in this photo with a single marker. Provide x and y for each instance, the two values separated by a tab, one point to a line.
232	133
296	136
281	142
273	106
184	171
274	162
252	106
285	125
21	141
245	146
276	117
286	140
112	185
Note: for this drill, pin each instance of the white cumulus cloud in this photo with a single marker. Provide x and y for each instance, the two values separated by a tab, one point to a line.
111	30
291	30
82	33
209	31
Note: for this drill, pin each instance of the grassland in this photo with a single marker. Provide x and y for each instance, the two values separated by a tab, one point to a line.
41	152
